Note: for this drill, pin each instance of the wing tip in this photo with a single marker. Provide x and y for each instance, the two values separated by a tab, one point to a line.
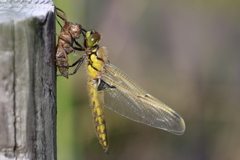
182	127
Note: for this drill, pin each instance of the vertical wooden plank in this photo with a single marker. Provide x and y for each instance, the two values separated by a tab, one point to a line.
7	119
28	88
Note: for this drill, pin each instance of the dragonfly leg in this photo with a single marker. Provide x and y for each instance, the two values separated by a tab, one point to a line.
63	15
81	48
76	42
78	63
59	23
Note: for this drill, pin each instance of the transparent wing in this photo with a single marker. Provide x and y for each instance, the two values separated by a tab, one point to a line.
131	101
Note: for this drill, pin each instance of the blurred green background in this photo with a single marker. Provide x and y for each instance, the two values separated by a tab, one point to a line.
185	53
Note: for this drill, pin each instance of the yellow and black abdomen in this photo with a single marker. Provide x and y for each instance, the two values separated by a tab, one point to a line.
94	67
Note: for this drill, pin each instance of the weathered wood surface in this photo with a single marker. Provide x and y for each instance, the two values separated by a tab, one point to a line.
27	82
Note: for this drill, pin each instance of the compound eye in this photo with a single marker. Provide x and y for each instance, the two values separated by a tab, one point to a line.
93	38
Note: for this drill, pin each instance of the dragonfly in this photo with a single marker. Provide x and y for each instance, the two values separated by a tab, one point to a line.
68	35
110	87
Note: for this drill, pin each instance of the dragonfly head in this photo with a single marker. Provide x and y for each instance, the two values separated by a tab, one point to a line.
92	38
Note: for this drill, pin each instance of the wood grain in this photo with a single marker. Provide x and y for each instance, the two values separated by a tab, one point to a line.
28	82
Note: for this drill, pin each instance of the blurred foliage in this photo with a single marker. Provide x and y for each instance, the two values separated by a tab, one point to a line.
186	53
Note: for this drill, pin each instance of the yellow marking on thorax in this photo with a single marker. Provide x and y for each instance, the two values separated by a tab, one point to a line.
92	72
96	63
95	66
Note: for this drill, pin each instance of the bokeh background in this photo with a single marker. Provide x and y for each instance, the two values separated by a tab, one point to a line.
185	53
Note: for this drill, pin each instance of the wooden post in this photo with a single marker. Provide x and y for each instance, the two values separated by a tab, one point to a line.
27	81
